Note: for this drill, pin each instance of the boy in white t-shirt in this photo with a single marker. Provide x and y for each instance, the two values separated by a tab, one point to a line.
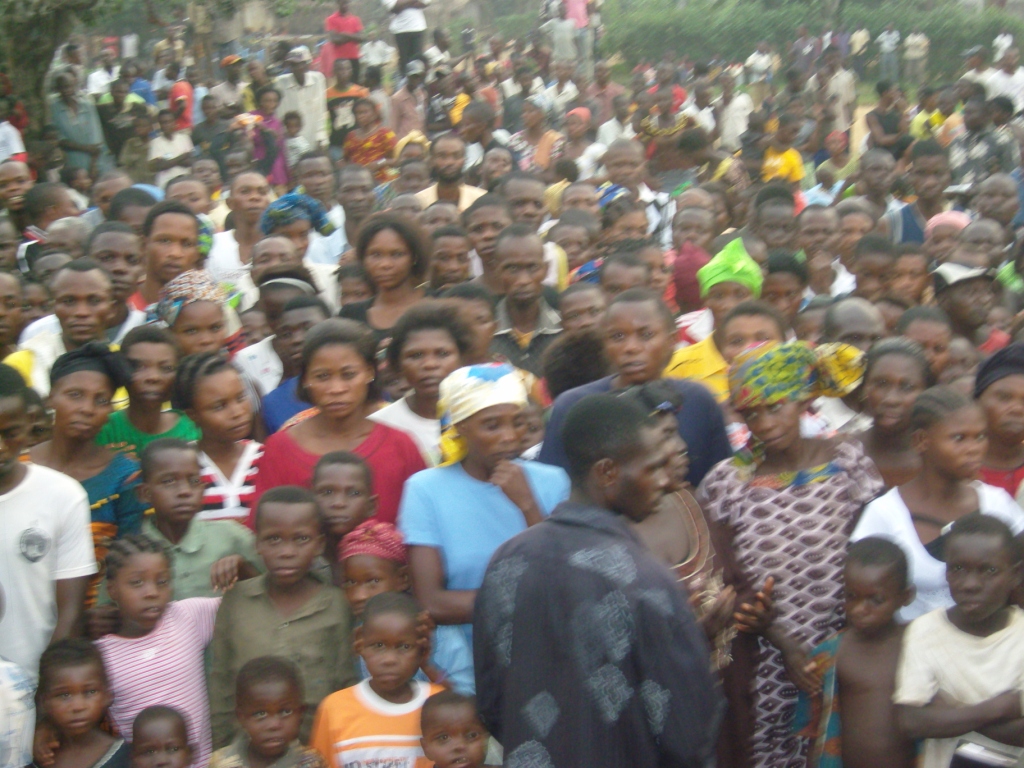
962	669
46	550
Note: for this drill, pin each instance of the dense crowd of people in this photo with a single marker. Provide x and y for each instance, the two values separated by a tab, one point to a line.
500	416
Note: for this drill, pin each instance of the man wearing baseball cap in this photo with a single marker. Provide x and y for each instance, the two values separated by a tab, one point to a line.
229	93
965	294
409	104
304	91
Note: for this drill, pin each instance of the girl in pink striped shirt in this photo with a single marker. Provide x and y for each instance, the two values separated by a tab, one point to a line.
156	657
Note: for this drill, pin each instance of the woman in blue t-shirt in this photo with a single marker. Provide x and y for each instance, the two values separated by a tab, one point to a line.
455	516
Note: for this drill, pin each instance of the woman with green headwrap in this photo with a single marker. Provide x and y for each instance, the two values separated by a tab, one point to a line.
728	279
788	504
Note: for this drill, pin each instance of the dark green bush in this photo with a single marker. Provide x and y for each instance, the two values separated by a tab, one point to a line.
642	30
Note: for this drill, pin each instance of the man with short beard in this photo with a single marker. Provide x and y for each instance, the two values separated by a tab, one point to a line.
447	156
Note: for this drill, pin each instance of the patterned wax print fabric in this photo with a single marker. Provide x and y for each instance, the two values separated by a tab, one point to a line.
794	527
578	629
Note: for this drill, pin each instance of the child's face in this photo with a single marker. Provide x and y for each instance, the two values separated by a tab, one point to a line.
982	574
221	408
956	445
661	273
75	699
722	298
254	326
200	327
81	403
533	432
961	360
583	310
153	367
890	389
270	714
343	497
576	243
390	645
910	278
618	278
478	316
935	339
174	487
292	127
745	331
454	736
632	226
367	576
81	181
873	272
427	357
40	425
808	325
873	595
288	539
940	242
852	228
355	289
142	589
161	743
784	291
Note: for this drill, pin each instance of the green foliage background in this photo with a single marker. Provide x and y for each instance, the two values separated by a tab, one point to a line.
644	29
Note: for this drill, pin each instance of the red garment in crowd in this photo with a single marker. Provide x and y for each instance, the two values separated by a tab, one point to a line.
996	340
1009	481
678	95
182	89
348	24
686	261
391	454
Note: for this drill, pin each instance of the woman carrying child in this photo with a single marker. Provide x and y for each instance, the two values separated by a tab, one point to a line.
789	494
82	386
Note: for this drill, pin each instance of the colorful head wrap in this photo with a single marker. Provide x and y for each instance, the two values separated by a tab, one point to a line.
372	537
293	207
94	356
609	193
204	239
956	219
188	288
795	371
732	265
413	137
468	391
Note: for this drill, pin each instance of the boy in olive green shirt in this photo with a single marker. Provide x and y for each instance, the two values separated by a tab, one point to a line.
287	612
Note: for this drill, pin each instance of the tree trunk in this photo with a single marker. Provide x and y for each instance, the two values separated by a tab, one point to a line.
31	32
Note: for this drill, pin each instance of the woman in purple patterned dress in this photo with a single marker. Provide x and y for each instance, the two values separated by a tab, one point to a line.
788	504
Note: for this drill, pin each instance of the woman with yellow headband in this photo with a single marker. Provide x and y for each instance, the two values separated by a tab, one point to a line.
455	516
788	504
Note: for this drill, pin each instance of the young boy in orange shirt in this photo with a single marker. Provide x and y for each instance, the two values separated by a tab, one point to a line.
378	720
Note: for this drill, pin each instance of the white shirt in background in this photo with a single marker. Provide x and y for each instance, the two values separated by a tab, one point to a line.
426	433
409	20
160	146
612	130
11	142
309	100
261	363
99	81
888	41
733	120
45	538
1001	45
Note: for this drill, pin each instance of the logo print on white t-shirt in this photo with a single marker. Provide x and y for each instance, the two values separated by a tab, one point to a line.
34	544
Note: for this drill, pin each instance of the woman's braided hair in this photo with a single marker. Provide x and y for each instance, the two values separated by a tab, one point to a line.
191	370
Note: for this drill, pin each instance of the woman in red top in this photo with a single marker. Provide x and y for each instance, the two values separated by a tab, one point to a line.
336	376
370	144
999	390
